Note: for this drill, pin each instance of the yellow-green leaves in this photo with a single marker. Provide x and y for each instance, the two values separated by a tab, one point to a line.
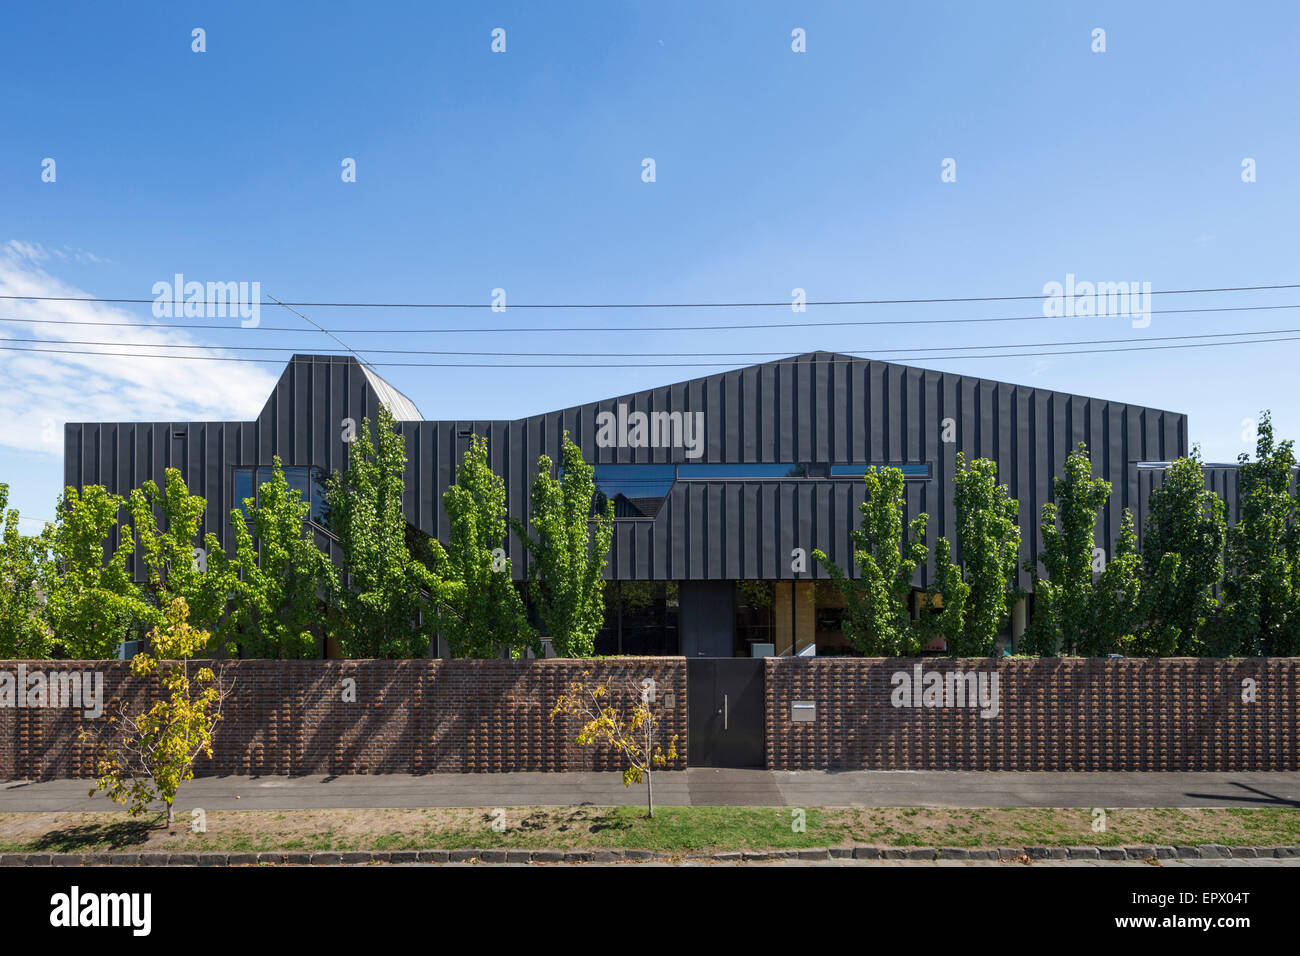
167	525
387	597
627	726
277	609
876	619
569	550
92	603
23	633
482	613
146	755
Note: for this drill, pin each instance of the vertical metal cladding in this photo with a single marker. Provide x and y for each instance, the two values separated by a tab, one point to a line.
819	408
1222	479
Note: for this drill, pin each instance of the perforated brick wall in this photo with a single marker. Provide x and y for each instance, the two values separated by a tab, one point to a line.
1053	714
422	716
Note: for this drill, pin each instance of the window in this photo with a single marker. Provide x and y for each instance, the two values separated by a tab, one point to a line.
747	470
319	507
638	491
297	478
641	617
919	472
308	481
242	487
755	615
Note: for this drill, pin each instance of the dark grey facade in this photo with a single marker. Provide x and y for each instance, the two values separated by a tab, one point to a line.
1220	478
822	413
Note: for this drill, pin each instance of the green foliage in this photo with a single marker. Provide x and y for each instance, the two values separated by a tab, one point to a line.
951	595
633	734
167	526
482	614
92	604
568	554
1064	600
1116	597
387	596
284	575
988	535
145	756
22	564
1261	595
1182	563
876	620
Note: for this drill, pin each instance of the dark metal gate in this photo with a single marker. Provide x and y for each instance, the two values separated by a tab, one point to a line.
725	705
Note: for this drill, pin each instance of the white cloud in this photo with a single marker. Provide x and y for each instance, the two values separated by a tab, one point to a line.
40	391
32	251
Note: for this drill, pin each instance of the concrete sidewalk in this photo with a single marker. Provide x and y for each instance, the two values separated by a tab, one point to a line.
696	787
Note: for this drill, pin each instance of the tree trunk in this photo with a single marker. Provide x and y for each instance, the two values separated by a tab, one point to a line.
649	795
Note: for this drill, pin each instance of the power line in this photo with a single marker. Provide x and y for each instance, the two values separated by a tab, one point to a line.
627	305
321	328
545	365
634	328
498	354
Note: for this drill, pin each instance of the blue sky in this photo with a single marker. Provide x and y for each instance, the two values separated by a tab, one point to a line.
522	170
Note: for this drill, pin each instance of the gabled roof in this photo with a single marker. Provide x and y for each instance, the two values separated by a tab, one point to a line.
308	377
403	408
821	356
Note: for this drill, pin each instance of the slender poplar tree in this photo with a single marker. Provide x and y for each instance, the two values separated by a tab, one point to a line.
569	551
876	620
482	614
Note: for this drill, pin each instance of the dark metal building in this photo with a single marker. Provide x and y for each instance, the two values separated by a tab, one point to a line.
716	481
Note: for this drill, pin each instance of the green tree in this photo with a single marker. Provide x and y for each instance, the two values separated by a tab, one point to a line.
482	614
949	597
1182	562
387	596
876	620
92	604
631	730
23	633
988	535
143	756
167	525
1263	554
1116	597
284	575
1063	601
569	554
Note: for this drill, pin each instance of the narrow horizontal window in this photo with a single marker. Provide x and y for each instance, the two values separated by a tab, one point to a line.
703	472
912	472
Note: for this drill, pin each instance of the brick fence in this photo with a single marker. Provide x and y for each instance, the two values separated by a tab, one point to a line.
1053	714
418	716
289	717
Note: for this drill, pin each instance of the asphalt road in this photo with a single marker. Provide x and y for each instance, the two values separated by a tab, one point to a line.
696	787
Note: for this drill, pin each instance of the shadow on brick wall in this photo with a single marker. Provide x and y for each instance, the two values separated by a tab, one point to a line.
361	717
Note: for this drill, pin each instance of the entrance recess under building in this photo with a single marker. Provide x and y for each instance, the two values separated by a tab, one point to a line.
725	701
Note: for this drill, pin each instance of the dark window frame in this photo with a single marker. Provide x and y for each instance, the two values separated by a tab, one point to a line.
312	475
615	484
